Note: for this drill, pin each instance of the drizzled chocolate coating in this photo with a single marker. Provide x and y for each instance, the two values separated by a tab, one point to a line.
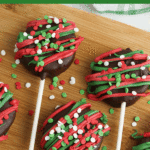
7	123
62	114
130	100
54	68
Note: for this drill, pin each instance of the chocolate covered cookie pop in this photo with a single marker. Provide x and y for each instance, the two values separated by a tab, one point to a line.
47	47
119	76
74	126
143	141
8	109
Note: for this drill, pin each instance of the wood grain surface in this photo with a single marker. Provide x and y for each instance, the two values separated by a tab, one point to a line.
101	35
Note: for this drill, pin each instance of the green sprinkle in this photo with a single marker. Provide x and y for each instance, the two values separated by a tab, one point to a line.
63	143
110	84
51	135
64	20
126	90
72	47
133	75
46	17
61	48
100	62
55	79
109	76
14	76
43	43
72	40
83	100
148	102
54	84
38	19
117	84
111	110
50	120
20	40
100	132
54	148
104	118
104	148
115	68
109	92
69	121
52	45
55	46
40	26
41	63
64	94
44	34
14	65
49	21
67	117
82	91
48	35
90	148
127	76
39	45
70	138
87	139
137	118
62	126
106	133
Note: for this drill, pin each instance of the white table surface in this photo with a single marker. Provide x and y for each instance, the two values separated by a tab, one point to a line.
141	21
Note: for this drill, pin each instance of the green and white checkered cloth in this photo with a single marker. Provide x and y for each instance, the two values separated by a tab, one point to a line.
120	9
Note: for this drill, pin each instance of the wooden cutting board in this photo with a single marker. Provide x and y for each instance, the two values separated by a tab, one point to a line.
101	35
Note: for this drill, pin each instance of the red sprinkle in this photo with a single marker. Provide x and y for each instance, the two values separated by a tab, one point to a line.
0	59
76	61
18	85
32	33
31	112
35	27
62	82
36	58
51	87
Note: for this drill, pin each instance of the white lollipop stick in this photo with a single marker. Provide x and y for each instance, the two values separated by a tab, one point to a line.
121	122
36	116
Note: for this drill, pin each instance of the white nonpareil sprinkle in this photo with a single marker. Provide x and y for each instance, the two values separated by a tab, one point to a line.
58	129
53	35
79	110
80	131
57	106
76	115
70	126
60	87
134	92
73	78
59	137
75	135
142	68
106	63
106	126
46	47
57	29
48	26
60	61
30	37
75	128
72	82
59	122
36	41
148	57
63	131
76	29
16	49
28	84
51	132
134	124
25	33
93	140
5	89
56	20
51	97
76	141
95	146
132	63
47	138
39	51
3	52
100	127
119	64
17	61
15	45
122	56
144	77
50	16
